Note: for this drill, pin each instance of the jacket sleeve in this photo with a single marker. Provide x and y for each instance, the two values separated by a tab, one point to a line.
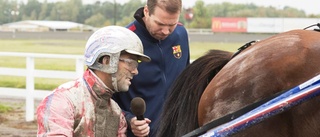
128	117
55	116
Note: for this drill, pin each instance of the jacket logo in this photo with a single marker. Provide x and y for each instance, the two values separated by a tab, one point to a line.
177	53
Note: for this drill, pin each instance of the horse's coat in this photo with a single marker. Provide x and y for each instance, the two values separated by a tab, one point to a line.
269	66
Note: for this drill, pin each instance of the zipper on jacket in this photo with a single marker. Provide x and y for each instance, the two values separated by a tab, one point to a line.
162	62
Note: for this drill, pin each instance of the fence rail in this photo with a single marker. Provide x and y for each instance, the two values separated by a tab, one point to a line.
29	93
200	31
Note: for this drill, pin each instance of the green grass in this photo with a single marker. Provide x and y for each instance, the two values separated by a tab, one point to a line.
4	108
198	49
40	83
75	47
42	46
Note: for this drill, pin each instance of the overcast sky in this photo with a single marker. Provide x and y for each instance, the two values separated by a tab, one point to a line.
309	6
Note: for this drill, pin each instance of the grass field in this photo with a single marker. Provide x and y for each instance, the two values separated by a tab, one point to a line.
197	49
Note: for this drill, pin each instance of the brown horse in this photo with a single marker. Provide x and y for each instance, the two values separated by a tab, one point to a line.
216	85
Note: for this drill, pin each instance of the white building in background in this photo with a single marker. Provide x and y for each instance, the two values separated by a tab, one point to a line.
45	26
261	25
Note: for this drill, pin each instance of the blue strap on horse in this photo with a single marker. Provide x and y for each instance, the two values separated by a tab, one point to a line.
229	117
293	97
299	94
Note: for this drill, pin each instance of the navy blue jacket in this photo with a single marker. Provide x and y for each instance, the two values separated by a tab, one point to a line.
169	57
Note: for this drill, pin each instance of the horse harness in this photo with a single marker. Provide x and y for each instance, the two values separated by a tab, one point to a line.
245	46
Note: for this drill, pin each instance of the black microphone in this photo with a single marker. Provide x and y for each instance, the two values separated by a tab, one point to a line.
138	107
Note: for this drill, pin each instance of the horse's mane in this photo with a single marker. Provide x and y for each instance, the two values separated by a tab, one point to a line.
186	92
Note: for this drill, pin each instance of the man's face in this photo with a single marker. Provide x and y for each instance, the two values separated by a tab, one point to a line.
127	68
160	24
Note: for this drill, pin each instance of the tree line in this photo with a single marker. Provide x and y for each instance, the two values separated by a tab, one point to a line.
105	13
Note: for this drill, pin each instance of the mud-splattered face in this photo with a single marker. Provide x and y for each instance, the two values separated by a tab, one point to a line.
127	68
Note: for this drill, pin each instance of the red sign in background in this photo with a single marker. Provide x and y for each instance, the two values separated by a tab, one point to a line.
229	25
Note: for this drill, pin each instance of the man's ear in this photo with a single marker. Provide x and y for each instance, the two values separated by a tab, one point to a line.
146	10
105	60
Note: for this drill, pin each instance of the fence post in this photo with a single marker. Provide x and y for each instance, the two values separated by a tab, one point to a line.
30	88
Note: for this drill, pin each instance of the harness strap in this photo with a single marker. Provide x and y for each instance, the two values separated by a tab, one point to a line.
243	47
318	25
229	117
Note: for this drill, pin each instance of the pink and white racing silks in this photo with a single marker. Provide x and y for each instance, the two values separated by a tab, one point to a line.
81	108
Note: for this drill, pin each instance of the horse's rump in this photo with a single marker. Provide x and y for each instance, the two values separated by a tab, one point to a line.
267	67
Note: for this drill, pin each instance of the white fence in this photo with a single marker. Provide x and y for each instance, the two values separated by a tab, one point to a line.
30	73
200	31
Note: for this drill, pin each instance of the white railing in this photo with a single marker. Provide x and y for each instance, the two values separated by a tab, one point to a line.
200	31
30	73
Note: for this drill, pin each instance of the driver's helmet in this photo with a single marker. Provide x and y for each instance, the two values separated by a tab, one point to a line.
111	41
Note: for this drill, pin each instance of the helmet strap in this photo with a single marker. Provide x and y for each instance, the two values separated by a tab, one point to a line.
114	82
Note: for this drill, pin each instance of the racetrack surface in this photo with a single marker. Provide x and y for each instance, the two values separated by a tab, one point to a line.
13	123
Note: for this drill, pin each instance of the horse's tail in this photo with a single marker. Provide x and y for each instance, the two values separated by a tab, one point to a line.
179	115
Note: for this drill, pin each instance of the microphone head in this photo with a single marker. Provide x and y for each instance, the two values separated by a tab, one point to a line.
138	106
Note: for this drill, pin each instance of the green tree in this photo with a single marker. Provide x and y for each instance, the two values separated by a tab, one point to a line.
43	15
33	15
31	10
87	11
5	14
111	11
64	11
74	11
129	8
292	12
115	13
125	21
54	14
97	20
200	16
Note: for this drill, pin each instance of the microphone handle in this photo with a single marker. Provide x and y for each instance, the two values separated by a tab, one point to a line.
140	117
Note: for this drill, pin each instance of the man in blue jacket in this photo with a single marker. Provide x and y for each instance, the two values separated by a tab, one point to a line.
165	41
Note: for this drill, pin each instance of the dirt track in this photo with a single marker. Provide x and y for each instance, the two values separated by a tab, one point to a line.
13	123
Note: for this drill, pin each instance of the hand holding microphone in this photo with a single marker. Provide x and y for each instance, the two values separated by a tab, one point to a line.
140	125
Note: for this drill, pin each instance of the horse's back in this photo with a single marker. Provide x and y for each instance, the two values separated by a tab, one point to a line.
269	66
